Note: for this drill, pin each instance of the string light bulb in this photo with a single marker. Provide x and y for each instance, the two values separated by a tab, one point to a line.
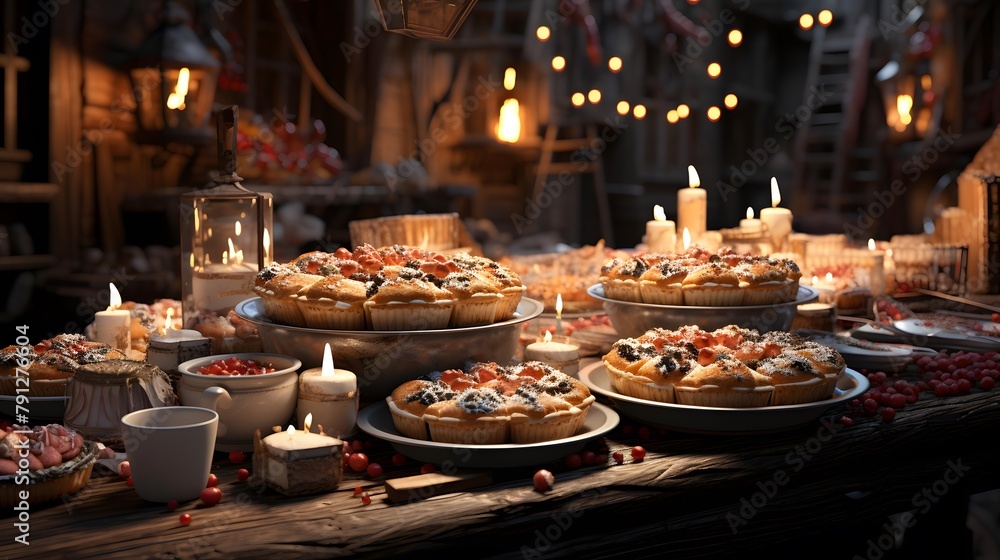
714	113
622	108
714	69
731	101
543	33
806	21
825	18
558	63
735	38
577	99
672	117
639	111
683	111
594	96
615	64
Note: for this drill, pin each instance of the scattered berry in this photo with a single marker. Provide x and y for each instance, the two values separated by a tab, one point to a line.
964	385
601	459
130	482
185	519
374	470
574	461
358	462
399	459
846	421
898	400
211	496
212	480
638	454
588	457
888	414
986	383
619	457
125	469
237	457
871	405
543	480
357	445
366	499
242	475
358	491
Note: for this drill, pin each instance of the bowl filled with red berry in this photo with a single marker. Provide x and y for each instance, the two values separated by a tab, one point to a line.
250	391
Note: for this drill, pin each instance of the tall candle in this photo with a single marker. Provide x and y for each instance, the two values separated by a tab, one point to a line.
692	205
661	233
778	220
113	325
877	263
330	395
751	224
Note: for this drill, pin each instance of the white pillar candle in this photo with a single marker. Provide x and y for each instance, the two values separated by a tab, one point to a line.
113	326
778	220
661	233
692	205
559	355
751	225
331	396
877	264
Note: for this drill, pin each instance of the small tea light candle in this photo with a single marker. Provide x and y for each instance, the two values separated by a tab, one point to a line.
330	396
661	233
297	462
561	356
113	326
750	224
825	287
778	220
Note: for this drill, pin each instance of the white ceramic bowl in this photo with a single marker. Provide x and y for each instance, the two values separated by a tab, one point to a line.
245	403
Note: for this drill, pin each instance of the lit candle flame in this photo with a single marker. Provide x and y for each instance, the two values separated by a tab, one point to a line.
308	422
509	125
693	179
829	277
904	103
291	431
687	239
327	361
509	79
775	193
559	306
233	254
871	244
749	213
115	301
815	280
547	337
176	99
169	322
267	243
225	257
658	214
239	227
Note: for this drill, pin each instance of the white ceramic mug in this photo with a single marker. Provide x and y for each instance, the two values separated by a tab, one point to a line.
170	450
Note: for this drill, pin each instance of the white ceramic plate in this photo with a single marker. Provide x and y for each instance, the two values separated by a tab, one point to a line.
715	420
931	337
38	407
376	420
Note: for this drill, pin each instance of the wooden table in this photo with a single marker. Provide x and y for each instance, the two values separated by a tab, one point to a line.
821	490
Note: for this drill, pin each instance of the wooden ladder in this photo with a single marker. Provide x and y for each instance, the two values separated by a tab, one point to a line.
826	144
592	164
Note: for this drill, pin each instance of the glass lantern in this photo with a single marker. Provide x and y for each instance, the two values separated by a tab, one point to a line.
226	237
173	79
424	19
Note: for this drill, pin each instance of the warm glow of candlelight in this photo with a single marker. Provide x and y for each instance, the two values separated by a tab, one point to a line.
714	70
825	18
639	111
615	64
683	111
731	101
693	179
622	107
509	125
815	280
291	431
115	301
238	227
169	322
543	33
658	214
176	99
327	361
714	113
267	243
735	38
904	103
559	306
547	337
686	236
307	423
672	117
775	193
829	277
577	99
558	63
871	244
749	213
594	96
191	261
509	79
806	21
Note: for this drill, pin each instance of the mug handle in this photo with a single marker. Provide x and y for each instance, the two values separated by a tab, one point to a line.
214	396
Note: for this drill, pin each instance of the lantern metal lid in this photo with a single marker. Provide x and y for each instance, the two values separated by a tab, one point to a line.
173	78
424	19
